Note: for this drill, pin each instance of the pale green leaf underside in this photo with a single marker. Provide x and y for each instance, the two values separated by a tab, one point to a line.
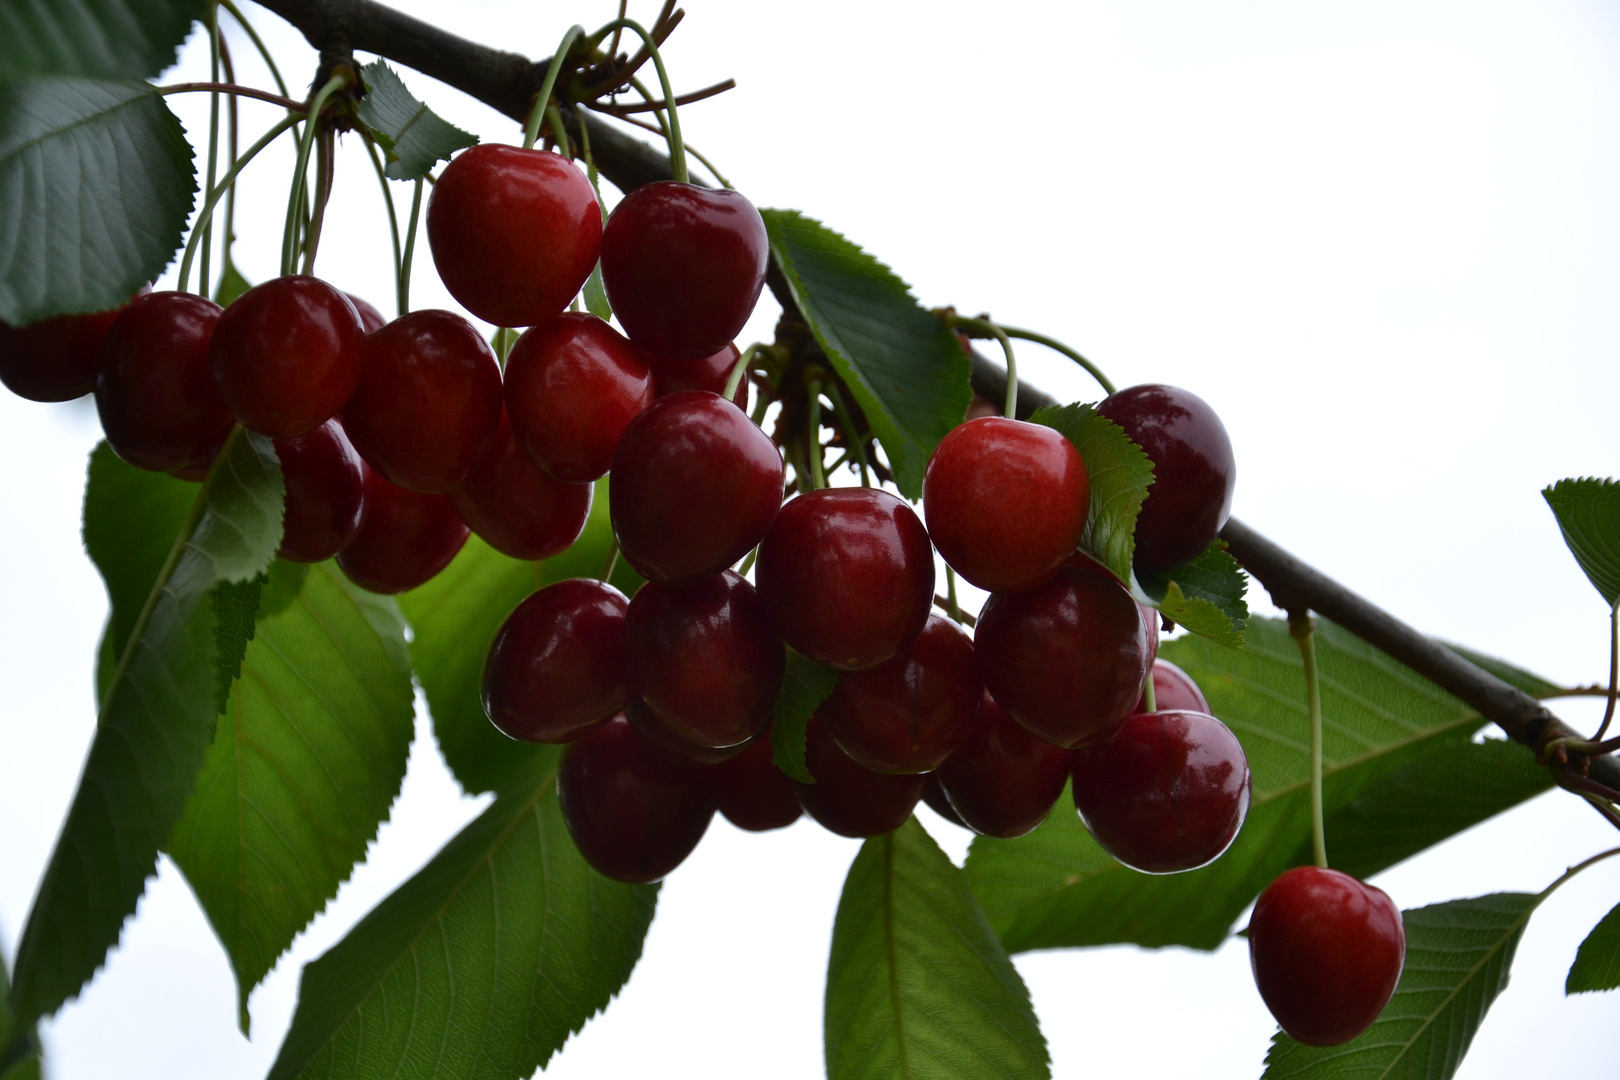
1597	961
805	685
1120	475
114	39
413	136
1588	512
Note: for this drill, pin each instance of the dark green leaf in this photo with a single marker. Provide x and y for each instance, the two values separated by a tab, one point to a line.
97	181
907	371
596	300
917	984
1205	596
805	685
1588	512
308	759
481	965
236	607
413	136
1120	474
1457	960
19	1046
231	285
1597	961
156	722
113	39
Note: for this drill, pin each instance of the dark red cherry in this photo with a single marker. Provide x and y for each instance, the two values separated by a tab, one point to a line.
711	373
909	714
752	792
405	537
683	266
935	797
157	400
556	667
1193	471
325	481
850	799
370	318
1150	624
572	384
286	355
1167	793
634	814
695	486
516	508
663	739
1005	502
847	575
1002	781
1173	689
428	401
54	359
514	232
1066	660
1327	952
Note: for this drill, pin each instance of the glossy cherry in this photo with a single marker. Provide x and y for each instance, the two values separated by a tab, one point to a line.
663	739
1193	471
325	481
696	484
556	667
1327	952
847	575
848	798
752	792
683	266
54	359
405	537
934	795
370	318
1002	781
711	373
514	232
1173	689
634	813
1005	502
572	385
428	401
516	508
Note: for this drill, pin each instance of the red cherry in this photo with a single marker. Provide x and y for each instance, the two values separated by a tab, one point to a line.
1327	952
54	359
663	740
935	797
1167	793
325	481
1173	689
847	575
516	508
850	799
572	384
1005	502
286	355
695	486
370	318
1002	781
752	792
683	266
428	401
634	814
514	232
405	538
711	373
158	403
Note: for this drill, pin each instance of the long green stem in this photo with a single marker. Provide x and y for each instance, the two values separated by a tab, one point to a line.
295	199
738	371
213	138
952	608
1303	629
677	148
1058	346
258	43
1150	696
542	100
817	476
323	193
856	442
393	225
207	213
1572	871
410	251
236	133
1614	669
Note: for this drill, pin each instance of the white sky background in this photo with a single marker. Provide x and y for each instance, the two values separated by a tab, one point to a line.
1378	238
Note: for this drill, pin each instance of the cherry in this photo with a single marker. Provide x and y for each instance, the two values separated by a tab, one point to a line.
752	792
1005	502
696	484
683	266
54	359
1327	952
405	537
1173	689
1002	781
158	403
935	797
848	798
1193	471
1167	793
1066	660
711	373
847	575
516	508
370	318
634	814
572	384
286	355
325	481
662	738
428	401
909	714
556	667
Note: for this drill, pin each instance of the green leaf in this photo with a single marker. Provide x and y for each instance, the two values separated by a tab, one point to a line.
1120	474
309	757
115	39
97	182
413	137
908	372
231	284
236	607
156	722
19	1045
805	685
596	299
502	341
1597	961
1205	596
481	965
917	984
1457	960
1588	512
1056	888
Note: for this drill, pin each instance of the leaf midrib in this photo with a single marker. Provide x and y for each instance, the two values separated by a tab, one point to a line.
91	119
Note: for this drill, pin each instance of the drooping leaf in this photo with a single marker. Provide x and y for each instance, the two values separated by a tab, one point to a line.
909	373
917	984
1597	961
1588	512
111	39
1457	960
480	966
309	757
413	137
156	722
1205	596
231	284
97	182
805	685
19	1044
1120	474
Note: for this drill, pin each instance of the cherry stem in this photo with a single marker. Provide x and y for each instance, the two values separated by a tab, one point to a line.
944	604
739	371
289	239
213	141
611	563
677	149
707	164
542	100
258	43
393	222
224	185
664	25
985	328
323	193
1614	669
952	608
1150	695
1058	346
1572	871
236	132
410	250
234	90
1303	629
655	106
856	441
624	8
560	135
818	477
